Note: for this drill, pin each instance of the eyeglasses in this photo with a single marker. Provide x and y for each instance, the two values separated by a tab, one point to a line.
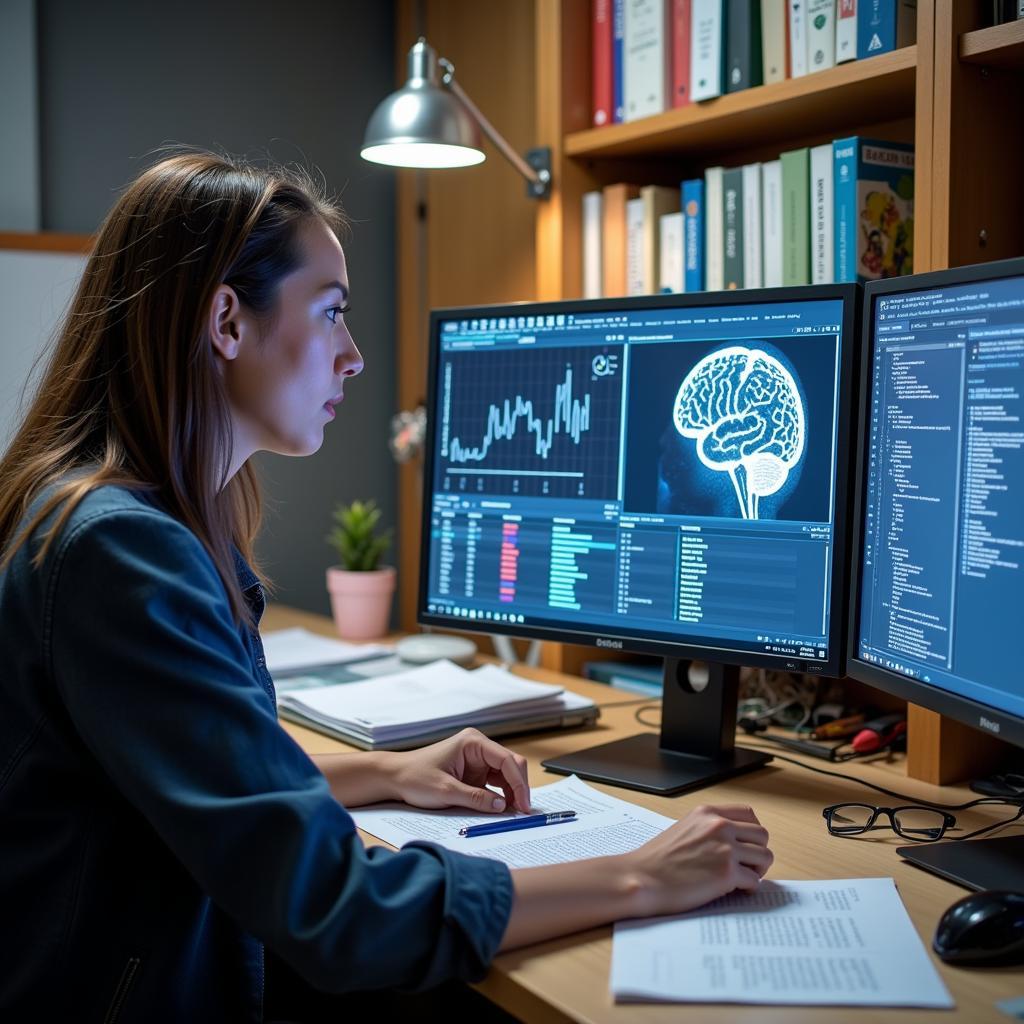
920	824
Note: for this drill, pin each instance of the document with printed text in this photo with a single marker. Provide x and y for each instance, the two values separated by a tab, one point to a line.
845	942
604	825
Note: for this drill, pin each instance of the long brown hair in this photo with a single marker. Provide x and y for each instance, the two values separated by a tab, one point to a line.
131	394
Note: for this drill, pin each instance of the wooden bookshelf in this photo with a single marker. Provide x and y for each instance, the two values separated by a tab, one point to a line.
957	95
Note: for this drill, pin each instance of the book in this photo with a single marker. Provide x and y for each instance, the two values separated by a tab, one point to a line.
682	17
822	215
771	221
732	227
602	85
846	30
646	68
591	236
635	281
613	238
797	38
671	276
874	209
743	60
706	49
693	233
419	706
821	34
657	200
773	40
714	241
752	255
796	268
618	43
884	25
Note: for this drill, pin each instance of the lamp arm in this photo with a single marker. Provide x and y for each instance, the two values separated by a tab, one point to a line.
538	179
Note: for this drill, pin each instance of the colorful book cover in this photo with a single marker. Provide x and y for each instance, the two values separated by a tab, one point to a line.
796	243
884	25
682	13
874	209
602	86
732	226
693	233
618	41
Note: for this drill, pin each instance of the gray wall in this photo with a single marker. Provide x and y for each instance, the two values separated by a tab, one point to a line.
297	80
19	134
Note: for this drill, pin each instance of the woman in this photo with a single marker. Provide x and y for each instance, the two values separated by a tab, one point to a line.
159	827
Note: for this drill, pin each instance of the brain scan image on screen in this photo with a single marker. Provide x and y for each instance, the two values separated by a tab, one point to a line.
743	411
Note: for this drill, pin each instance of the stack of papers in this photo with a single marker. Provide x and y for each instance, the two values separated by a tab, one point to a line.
410	709
291	650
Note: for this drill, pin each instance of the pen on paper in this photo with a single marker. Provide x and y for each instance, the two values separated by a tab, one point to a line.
511	824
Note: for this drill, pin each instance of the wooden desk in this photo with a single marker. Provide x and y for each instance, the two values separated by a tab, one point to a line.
567	979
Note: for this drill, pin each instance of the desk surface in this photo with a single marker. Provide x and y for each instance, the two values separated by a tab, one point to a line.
567	979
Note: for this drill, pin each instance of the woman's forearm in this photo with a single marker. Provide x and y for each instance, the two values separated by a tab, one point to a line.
564	898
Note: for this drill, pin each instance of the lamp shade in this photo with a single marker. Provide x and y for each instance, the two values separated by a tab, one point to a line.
422	124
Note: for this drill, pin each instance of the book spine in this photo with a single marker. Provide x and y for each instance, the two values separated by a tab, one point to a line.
681	22
822	215
706	49
885	210
613	240
846	31
670	262
743	47
644	72
635	247
844	152
657	200
618	41
797	39
753	273
773	40
876	27
693	209
821	34
602	86
592	245
771	219
795	209
906	23
732	226
714	251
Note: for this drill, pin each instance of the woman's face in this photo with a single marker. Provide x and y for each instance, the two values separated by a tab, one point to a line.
283	387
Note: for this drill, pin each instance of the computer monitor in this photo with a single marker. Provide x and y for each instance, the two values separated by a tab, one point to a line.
663	474
939	545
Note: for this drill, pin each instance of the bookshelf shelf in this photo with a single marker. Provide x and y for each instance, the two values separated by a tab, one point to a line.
999	46
879	88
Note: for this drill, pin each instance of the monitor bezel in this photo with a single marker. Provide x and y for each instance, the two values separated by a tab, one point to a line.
1000	724
835	665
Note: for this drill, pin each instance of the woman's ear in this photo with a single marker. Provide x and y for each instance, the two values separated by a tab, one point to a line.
225	322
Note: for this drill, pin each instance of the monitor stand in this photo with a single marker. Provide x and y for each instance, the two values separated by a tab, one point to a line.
996	863
697	745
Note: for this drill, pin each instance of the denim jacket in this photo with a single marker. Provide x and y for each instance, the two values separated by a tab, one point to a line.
158	826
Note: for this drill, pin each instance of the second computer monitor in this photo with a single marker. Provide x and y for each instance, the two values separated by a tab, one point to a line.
665	474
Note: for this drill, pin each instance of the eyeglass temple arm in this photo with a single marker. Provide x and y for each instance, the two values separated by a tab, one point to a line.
538	178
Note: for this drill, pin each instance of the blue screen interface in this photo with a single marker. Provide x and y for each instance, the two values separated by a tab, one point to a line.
666	474
944	520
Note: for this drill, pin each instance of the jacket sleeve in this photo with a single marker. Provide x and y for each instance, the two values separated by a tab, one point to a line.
155	677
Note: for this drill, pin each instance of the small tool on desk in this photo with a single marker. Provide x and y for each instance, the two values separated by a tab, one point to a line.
511	824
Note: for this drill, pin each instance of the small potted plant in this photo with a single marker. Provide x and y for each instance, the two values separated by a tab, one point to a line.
360	588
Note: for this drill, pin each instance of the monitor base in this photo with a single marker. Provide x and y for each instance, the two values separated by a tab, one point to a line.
640	762
975	863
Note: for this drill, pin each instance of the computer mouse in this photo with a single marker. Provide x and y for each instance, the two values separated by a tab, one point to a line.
985	929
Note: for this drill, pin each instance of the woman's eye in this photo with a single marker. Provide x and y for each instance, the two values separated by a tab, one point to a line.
335	311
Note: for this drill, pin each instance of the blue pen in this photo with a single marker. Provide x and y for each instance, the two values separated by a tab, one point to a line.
510	824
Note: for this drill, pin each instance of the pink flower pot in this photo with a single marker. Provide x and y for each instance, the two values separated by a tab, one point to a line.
361	601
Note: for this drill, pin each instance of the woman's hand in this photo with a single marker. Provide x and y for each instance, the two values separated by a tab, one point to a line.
455	773
709	853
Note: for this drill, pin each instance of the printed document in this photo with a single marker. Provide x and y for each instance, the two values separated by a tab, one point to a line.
604	825
845	942
287	650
